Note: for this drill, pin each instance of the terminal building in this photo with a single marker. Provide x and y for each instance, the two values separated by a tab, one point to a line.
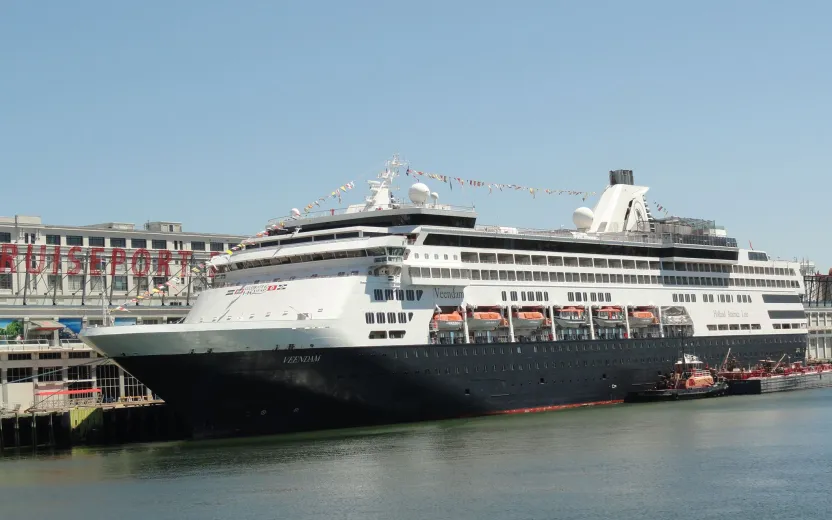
818	304
56	280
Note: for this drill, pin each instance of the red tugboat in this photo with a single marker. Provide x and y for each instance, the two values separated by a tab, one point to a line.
769	376
690	380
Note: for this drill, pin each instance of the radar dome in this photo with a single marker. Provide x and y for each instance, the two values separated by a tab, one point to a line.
418	193
582	218
295	212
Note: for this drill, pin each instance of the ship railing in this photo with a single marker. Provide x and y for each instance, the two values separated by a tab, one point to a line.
628	237
379	207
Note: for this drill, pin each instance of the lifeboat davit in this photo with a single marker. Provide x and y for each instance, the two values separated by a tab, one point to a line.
642	319
527	319
484	320
609	316
570	317
448	321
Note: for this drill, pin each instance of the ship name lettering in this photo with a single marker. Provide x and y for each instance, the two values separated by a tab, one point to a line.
302	359
448	295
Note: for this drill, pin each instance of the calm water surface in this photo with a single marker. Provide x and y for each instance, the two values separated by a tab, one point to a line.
736	457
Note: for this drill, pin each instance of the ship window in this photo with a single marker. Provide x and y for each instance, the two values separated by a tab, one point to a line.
609	297
512	276
592	296
380	317
400	294
425	272
693	298
378	334
391	317
409	294
531	296
504	296
454	273
578	297
546	296
397	334
523	295
402	317
675	297
388	294
570	296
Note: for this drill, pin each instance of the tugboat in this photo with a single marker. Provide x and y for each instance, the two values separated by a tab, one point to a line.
689	380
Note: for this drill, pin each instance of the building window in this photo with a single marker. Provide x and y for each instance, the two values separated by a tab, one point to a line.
138	243
160	244
217	246
118	242
96	241
53	240
53	282
140	283
158	280
74	241
6	281
120	283
197	246
76	282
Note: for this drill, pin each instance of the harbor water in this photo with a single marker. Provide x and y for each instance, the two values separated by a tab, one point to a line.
746	457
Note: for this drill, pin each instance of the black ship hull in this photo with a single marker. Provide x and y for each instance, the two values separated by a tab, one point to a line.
264	392
676	394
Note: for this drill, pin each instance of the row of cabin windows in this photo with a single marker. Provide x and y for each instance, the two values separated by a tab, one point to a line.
594	297
383	295
790	326
684	298
544	276
383	334
390	317
426	256
527	296
315	257
736	326
483	351
554	347
614	263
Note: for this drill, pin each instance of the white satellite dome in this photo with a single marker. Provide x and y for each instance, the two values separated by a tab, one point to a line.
418	193
582	218
295	212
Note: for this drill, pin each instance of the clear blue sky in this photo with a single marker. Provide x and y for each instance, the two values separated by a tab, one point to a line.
225	114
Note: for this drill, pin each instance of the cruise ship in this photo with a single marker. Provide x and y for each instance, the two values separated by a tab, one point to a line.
397	311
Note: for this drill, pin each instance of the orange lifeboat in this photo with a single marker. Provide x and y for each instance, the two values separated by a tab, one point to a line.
488	320
642	319
448	321
527	319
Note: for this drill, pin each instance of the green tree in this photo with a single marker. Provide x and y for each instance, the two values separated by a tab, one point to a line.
14	329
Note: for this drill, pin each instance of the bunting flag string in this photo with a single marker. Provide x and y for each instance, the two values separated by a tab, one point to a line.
450	181
336	194
162	289
661	208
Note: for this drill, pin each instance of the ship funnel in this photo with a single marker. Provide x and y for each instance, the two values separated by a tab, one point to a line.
621	177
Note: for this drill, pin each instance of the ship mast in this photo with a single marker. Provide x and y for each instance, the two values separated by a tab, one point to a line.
380	197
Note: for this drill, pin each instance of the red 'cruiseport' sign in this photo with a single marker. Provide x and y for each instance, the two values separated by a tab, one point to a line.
138	263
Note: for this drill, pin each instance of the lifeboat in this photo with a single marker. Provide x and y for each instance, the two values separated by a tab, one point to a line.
484	320
642	319
449	321
570	317
609	316
527	319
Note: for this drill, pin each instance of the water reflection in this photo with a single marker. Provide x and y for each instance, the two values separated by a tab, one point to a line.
724	456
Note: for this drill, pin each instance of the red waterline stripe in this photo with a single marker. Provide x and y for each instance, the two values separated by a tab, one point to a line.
555	407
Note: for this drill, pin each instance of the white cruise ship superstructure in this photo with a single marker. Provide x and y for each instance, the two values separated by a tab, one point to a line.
393	311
